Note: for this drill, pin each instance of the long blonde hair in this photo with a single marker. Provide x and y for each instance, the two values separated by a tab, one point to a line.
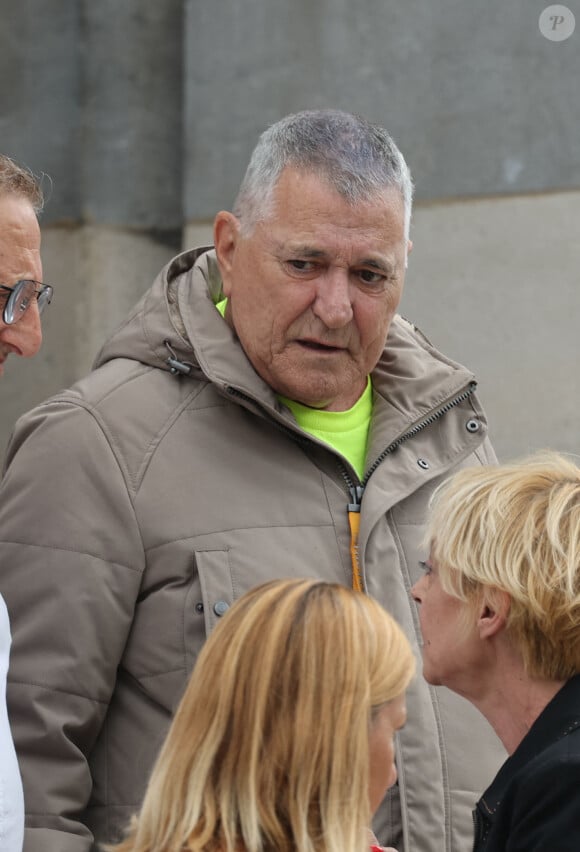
269	748
516	528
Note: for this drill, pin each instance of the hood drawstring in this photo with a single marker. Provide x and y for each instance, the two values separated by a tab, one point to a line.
177	367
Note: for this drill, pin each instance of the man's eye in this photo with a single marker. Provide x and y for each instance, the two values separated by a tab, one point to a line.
301	265
371	276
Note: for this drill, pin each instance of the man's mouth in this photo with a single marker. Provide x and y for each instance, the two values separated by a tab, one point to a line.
319	346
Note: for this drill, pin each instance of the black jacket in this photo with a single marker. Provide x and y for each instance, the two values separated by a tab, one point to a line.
533	803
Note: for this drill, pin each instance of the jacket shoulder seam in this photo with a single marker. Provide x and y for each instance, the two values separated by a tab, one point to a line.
92	411
132	481
155	440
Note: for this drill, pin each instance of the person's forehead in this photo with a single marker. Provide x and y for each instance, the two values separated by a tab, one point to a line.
295	185
307	215
19	240
18	219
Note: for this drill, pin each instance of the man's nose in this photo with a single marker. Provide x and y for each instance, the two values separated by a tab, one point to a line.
26	334
333	304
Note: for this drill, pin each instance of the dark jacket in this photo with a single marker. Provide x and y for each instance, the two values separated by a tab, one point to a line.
534	801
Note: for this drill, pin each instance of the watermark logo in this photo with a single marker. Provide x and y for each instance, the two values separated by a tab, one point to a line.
557	23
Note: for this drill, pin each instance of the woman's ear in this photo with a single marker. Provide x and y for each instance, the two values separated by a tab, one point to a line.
493	613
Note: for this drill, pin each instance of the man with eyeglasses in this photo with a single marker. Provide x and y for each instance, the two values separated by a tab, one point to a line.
22	298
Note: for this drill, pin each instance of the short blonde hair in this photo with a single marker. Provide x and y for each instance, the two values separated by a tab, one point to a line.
516	528
269	748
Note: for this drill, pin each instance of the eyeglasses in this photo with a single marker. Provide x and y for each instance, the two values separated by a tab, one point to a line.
16	303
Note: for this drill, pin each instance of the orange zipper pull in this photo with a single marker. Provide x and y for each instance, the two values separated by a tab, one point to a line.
356	493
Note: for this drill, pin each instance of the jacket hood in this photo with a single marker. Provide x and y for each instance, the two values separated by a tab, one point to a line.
156	317
177	315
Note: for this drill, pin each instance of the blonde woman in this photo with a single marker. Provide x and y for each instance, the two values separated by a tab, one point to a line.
500	617
283	741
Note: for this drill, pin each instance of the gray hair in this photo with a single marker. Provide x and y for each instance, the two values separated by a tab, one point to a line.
357	159
19	180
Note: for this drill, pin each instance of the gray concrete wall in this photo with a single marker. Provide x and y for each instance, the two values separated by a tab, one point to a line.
132	101
478	100
144	114
494	284
41	95
92	94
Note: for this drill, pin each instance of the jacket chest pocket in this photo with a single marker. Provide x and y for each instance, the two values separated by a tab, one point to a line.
208	600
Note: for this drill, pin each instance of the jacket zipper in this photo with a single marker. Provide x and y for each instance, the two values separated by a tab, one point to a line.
481	829
356	488
356	491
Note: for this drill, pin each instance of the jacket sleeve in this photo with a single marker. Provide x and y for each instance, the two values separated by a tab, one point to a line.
71	561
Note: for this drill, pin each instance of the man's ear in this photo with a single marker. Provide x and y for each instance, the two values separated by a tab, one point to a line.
493	613
226	229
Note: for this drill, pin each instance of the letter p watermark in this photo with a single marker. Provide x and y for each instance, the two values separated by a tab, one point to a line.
557	23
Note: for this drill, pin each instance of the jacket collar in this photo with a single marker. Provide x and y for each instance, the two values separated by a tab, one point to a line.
410	380
559	718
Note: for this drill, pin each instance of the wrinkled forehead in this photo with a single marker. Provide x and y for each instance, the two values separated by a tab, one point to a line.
347	191
304	201
19	240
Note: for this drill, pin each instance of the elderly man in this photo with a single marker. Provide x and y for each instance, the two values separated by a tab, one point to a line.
262	413
22	298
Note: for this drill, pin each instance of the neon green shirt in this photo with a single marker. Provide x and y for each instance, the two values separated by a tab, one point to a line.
345	431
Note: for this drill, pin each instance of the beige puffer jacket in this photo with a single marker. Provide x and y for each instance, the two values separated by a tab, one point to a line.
139	504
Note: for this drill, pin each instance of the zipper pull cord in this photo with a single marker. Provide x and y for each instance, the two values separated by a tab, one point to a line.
356	493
